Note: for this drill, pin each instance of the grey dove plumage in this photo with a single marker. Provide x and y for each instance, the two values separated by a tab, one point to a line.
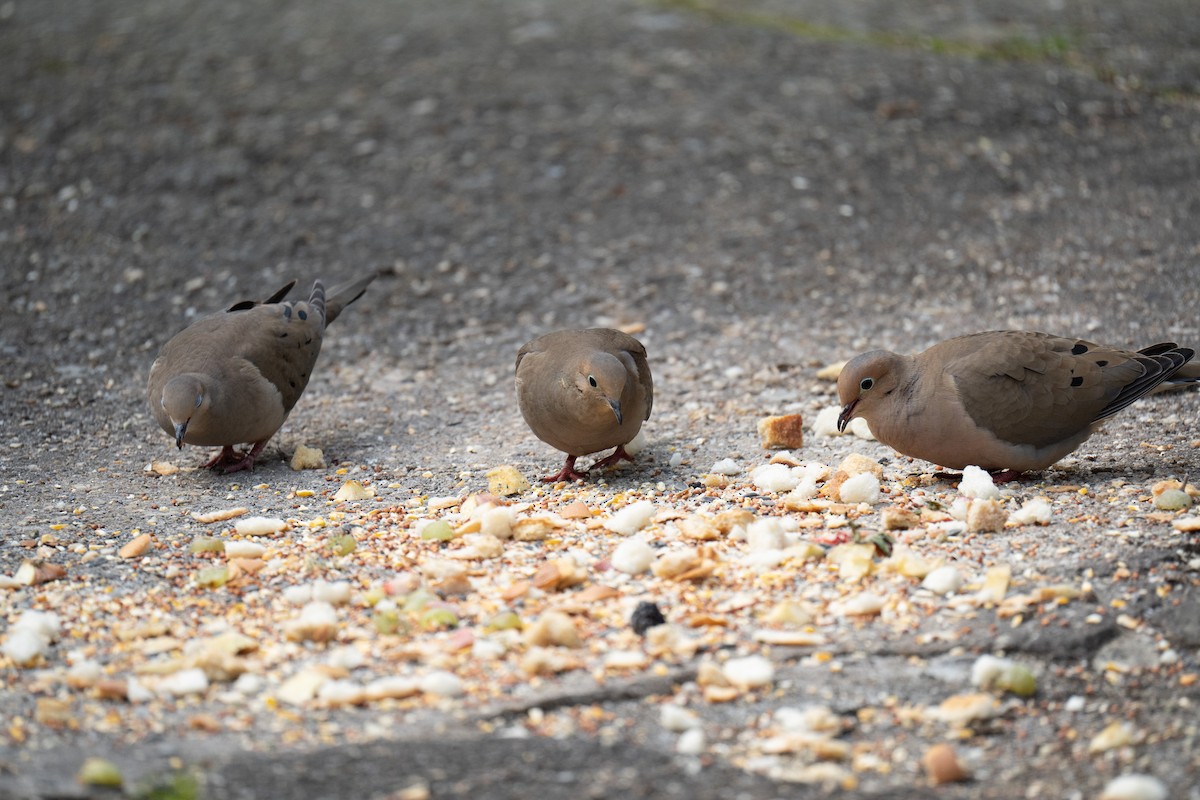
1006	401
583	391
233	377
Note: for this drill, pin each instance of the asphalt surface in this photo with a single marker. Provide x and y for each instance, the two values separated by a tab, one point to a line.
765	187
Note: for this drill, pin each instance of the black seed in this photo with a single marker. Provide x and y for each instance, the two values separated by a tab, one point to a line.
645	617
1077	381
1079	349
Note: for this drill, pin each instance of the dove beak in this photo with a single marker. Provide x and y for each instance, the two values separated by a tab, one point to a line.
846	415
616	409
180	431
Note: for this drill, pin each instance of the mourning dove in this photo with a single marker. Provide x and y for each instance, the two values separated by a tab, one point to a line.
1010	401
582	391
234	376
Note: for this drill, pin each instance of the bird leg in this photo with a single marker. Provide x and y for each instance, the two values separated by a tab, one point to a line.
998	475
230	460
618	455
227	456
247	461
567	473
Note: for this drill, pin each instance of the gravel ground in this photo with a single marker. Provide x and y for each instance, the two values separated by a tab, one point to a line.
760	189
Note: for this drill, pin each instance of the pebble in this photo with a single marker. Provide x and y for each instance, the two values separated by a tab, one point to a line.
633	556
301	687
347	658
691	742
861	488
789	613
340	693
864	604
137	692
333	592
99	772
441	683
184	682
135	547
393	686
942	765
749	672
239	548
248	684
977	483
1135	787
943	580
625	660
962	709
298	595
646	616
631	519
1115	734
678	719
553	628
317	622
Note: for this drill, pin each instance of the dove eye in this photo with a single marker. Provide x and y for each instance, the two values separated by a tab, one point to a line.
866	383
592	381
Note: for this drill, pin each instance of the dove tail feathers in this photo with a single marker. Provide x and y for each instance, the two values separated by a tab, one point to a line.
1186	375
1163	362
343	295
316	299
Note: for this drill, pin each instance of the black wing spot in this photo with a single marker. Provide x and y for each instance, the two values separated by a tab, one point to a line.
1102	363
1079	349
283	335
292	384
1077	381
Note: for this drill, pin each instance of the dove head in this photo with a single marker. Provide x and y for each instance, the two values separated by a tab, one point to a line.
601	382
864	383
183	398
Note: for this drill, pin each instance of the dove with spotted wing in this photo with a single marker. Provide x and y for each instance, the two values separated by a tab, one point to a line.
1006	401
234	376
